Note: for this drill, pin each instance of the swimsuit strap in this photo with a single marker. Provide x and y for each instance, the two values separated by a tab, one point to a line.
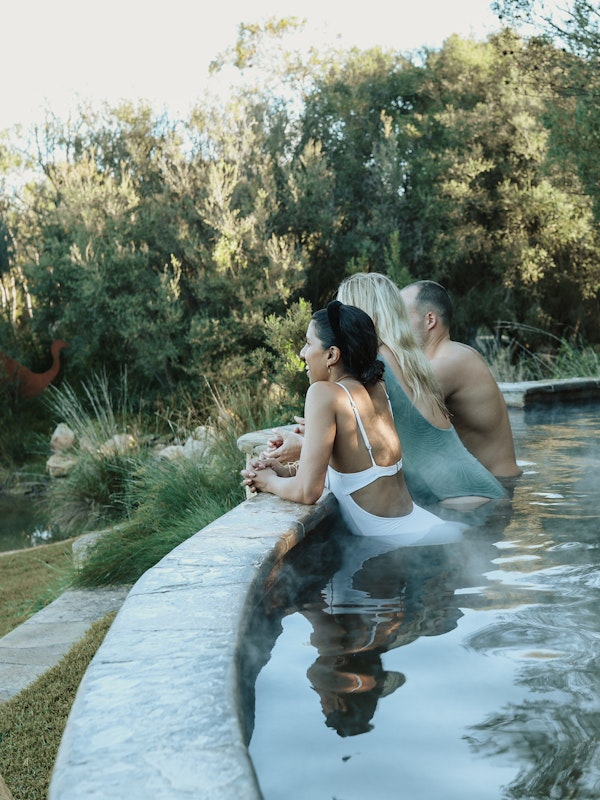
359	423
389	401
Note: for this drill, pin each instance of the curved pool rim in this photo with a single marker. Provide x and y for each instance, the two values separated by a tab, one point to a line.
159	713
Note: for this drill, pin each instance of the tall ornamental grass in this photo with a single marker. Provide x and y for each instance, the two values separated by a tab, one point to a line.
145	505
111	444
513	361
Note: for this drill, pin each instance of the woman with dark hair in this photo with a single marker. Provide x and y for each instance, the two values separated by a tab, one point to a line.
351	445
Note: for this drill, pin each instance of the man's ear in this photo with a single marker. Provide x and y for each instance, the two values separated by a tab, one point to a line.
431	320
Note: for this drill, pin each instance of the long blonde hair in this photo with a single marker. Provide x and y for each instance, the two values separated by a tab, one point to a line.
380	298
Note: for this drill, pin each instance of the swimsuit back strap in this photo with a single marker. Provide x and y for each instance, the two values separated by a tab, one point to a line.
361	427
389	401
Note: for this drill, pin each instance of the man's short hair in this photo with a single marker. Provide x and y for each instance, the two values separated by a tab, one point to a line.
431	296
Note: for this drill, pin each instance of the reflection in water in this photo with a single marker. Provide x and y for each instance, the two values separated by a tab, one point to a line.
555	733
377	597
372	604
468	670
23	522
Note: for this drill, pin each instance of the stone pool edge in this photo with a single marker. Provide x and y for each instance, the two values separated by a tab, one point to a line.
527	393
158	712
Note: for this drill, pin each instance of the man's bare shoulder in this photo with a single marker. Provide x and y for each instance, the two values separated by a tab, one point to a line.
457	355
458	366
451	349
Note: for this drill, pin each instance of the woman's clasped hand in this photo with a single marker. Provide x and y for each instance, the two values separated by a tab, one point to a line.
256	475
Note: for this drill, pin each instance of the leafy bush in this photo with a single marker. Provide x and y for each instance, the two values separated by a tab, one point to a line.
286	335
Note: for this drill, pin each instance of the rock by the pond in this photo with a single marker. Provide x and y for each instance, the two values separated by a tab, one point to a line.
119	443
195	446
60	464
63	438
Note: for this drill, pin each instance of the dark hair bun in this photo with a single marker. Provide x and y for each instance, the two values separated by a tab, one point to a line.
373	373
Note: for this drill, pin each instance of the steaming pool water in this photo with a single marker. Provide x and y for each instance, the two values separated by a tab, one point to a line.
464	671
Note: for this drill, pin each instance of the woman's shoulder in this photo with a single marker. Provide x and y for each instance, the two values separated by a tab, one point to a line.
386	355
322	391
334	393
324	401
392	368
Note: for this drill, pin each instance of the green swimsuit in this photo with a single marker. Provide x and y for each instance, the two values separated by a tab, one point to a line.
436	463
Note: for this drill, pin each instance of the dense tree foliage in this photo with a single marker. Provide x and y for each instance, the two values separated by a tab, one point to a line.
170	249
448	165
566	54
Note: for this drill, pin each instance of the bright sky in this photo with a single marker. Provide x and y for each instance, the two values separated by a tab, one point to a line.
55	52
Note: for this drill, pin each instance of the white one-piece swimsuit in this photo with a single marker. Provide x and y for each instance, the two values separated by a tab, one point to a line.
412	527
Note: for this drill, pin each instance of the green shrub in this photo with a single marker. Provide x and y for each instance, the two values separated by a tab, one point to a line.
176	499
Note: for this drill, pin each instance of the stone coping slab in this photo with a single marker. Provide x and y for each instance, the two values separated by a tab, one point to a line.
158	712
525	393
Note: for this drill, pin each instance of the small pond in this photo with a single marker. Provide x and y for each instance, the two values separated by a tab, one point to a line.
466	671
22	522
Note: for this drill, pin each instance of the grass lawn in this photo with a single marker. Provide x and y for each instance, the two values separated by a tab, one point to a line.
32	578
32	722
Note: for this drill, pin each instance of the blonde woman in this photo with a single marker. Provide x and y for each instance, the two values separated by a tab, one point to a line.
380	298
437	466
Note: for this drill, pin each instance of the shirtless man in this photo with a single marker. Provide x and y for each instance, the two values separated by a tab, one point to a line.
477	407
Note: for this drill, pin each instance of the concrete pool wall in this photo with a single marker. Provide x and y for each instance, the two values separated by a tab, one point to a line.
158	713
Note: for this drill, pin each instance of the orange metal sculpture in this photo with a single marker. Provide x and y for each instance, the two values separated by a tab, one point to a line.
30	384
